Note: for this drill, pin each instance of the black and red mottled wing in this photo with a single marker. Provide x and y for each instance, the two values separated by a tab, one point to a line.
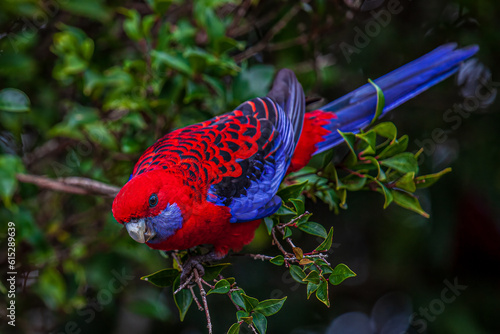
239	159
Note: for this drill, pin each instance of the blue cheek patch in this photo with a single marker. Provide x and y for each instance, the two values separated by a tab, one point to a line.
166	223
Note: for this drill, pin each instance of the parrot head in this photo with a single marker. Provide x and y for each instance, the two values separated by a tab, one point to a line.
151	206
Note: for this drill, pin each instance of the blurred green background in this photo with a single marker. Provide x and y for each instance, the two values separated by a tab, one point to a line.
86	86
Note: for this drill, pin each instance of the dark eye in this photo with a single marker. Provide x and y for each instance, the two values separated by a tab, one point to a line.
153	200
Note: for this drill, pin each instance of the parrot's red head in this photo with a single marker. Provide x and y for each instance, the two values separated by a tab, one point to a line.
152	206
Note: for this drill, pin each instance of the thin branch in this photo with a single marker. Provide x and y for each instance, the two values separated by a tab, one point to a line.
262	44
195	298
72	185
203	295
186	283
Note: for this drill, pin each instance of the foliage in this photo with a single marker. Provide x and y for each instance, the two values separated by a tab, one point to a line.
87	86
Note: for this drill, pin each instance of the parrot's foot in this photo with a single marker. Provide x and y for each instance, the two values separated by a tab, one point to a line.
196	262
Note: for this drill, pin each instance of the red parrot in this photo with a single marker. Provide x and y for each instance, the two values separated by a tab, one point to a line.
212	182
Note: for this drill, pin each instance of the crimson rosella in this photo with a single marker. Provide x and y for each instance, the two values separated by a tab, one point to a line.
212	182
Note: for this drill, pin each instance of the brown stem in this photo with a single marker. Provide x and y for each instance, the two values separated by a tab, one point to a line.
203	295
195	298
72	185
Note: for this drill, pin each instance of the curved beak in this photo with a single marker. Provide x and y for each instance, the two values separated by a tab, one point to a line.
139	230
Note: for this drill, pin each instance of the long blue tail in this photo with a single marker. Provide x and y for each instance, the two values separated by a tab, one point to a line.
355	110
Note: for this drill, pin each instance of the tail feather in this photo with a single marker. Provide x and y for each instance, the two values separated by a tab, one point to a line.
288	93
355	110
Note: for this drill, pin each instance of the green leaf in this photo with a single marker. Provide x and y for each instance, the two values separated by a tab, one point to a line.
327	243
352	183
406	182
10	165
313	229
425	181
312	277
238	299
386	130
408	201
340	273
292	191
234	329
278	260
241	315
177	63
322	293
162	278
288	232
51	287
311	287
395	147
132	23
14	100
213	271
270	306
369	138
384	191
297	273
260	322
298	204
100	134
250	302
350	139
403	162
380	101
183	299
269	224
221	287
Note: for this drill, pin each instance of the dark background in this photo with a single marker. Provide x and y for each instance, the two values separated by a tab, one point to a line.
83	268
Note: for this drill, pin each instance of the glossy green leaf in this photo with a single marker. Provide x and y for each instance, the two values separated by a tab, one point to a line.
425	181
322	293
270	306
327	243
311	288
406	182
221	287
238	299
260	322
292	191
408	201
394	148
213	271
278	260
250	302
403	162
340	273
298	205
384	191
386	130
297	273
182	299
269	224
241	315
380	101
14	100
234	329
162	278
313	277
314	229
288	232
370	139
350	139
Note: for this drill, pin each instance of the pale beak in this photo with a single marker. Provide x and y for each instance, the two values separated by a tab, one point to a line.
139	230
